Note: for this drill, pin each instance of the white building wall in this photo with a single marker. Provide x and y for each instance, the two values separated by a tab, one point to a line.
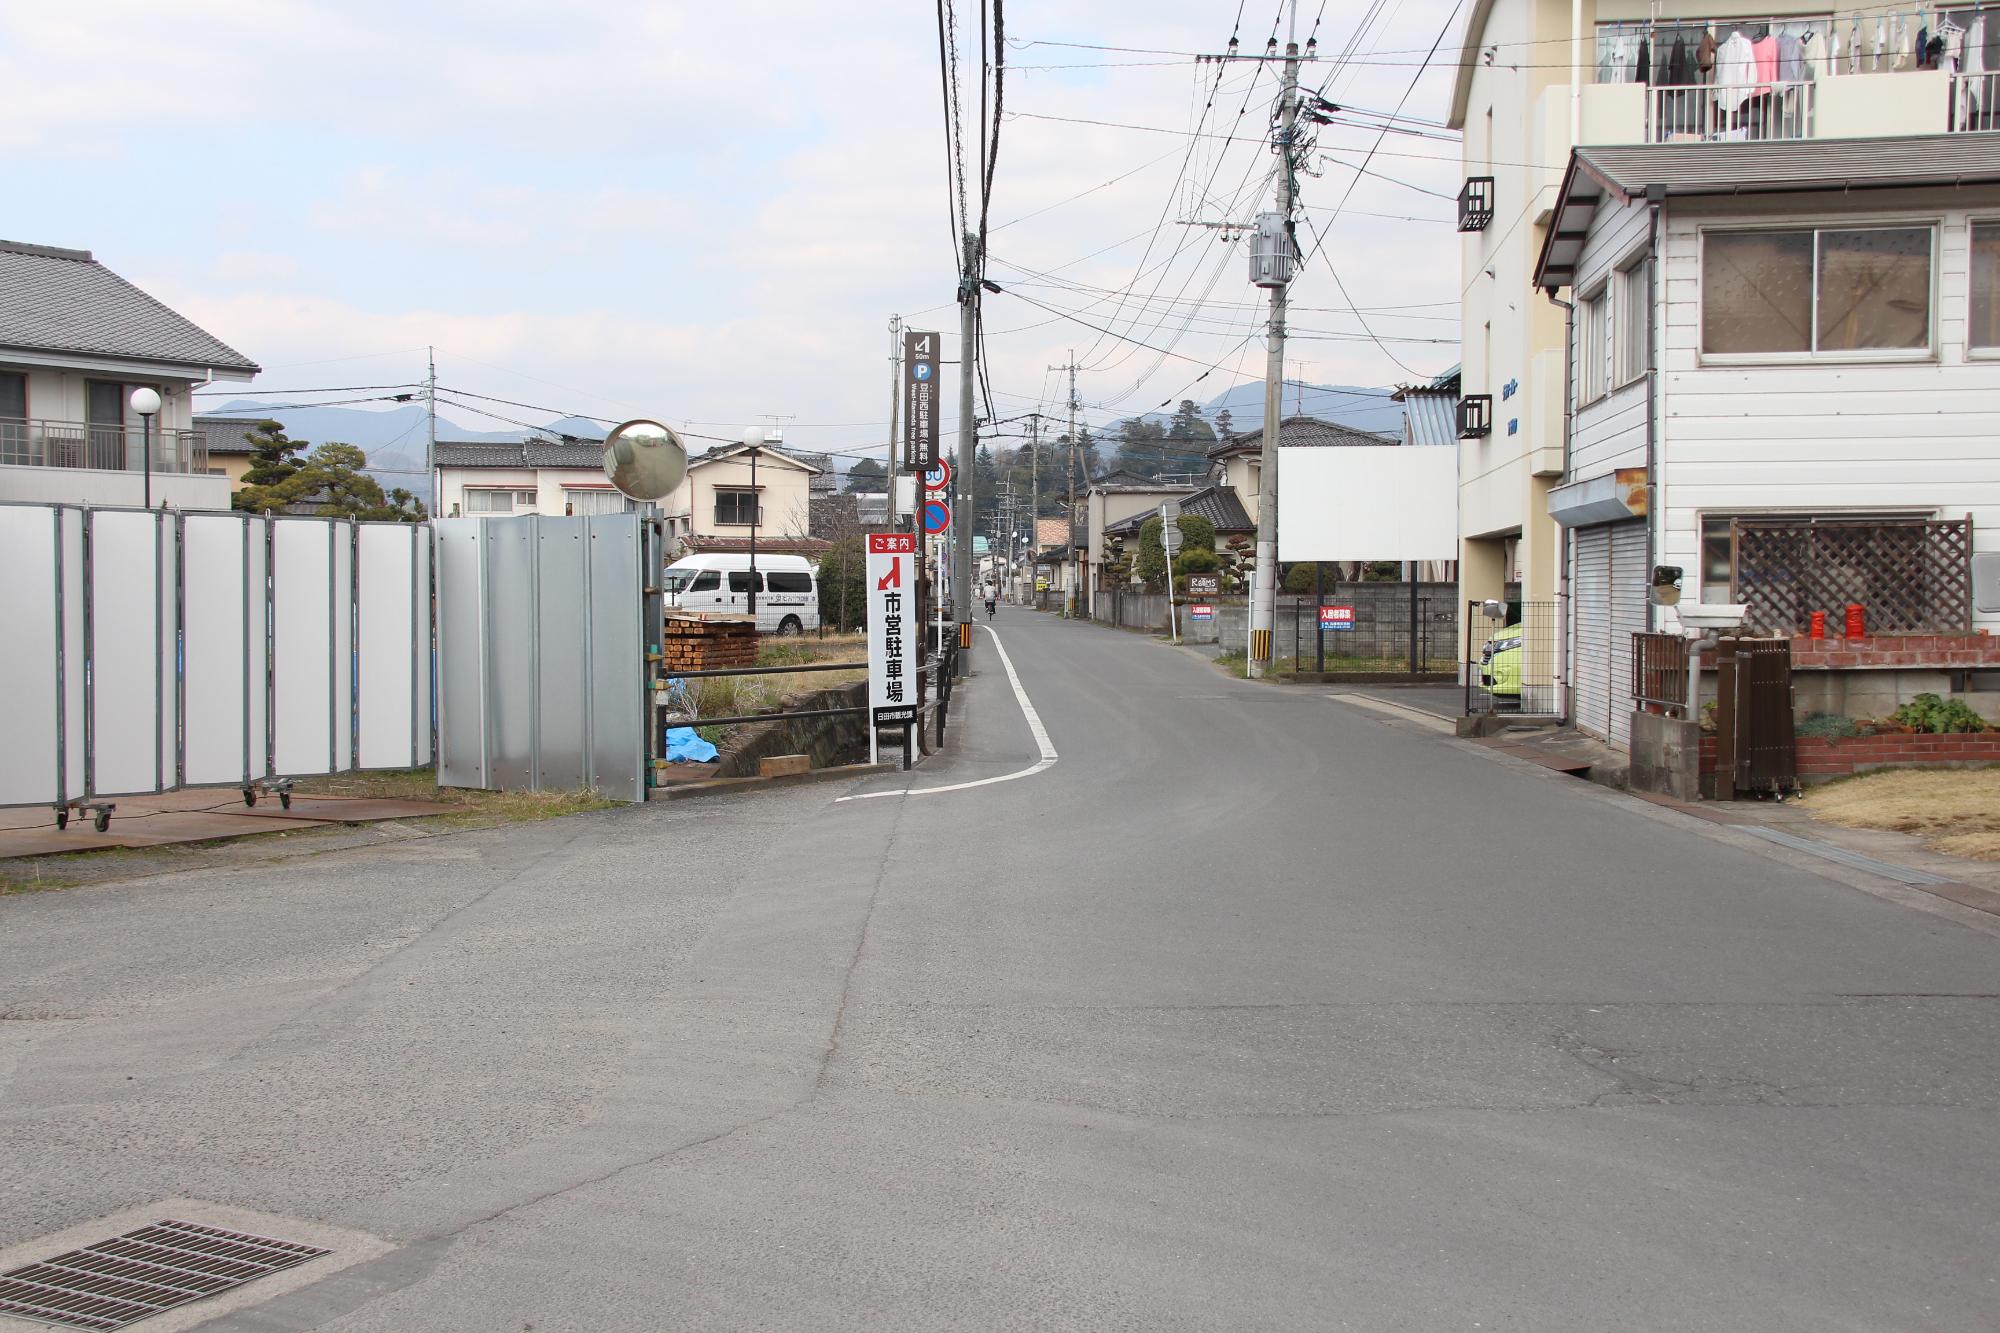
1832	434
1610	433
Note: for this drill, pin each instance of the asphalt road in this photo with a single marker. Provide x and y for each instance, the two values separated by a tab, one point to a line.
1255	1010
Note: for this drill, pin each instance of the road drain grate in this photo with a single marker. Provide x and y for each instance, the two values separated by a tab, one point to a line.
131	1277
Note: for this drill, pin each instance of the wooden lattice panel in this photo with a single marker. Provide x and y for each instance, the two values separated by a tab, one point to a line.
1911	576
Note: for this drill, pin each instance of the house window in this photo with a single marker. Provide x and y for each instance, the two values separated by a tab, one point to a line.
1985	325
1592	328
486	500
1718	549
1827	290
13	397
1634	302
582	501
735	508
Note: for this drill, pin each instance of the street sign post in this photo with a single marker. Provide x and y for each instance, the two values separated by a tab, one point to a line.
920	400
892	619
937	476
937	516
1336	617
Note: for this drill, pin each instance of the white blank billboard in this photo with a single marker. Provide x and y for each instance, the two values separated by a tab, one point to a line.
1364	502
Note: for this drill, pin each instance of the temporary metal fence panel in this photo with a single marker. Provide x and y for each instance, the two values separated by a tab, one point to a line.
225	662
130	636
392	626
542	653
31	668
148	649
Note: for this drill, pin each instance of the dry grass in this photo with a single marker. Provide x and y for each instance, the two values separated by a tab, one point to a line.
468	805
1956	811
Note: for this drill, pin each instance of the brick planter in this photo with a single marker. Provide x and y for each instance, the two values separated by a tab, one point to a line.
1822	758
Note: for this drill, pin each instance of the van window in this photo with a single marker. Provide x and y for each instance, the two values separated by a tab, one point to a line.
788	580
706	581
739	580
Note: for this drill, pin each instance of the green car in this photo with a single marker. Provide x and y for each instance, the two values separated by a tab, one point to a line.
1500	665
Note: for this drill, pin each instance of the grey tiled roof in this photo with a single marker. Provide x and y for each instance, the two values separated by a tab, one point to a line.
533	453
227	435
1306	431
56	300
1218	504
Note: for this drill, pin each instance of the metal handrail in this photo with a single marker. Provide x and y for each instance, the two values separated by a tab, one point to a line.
1695	112
40	442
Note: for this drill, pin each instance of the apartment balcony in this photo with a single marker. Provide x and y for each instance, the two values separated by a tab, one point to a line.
1716	115
1843	106
74	462
76	444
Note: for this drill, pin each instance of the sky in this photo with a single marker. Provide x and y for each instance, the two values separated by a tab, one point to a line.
708	213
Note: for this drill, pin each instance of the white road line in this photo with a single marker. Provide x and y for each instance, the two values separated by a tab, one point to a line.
1035	727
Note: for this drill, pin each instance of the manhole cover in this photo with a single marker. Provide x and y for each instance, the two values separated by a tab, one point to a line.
127	1278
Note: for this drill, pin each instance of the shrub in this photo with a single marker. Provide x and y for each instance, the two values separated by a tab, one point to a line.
1150	560
1830	725
1930	713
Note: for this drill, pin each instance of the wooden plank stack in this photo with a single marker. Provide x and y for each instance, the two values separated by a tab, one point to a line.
707	643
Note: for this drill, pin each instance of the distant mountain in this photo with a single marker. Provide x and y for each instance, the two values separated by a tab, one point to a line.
395	440
1361	407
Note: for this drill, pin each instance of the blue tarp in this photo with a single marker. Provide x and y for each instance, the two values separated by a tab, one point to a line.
684	745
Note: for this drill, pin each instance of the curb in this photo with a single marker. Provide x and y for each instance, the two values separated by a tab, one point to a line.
718	786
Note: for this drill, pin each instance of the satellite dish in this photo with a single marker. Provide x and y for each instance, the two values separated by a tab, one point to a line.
645	459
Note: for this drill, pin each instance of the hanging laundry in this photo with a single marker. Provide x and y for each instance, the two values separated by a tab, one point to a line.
1680	65
1765	51
1704	51
1645	68
1791	59
1735	73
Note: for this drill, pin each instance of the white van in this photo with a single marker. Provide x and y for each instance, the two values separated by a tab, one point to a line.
787	591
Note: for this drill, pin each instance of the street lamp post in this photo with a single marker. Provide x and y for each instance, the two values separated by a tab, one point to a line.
146	402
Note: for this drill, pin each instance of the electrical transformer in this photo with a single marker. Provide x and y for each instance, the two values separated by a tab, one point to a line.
1272	257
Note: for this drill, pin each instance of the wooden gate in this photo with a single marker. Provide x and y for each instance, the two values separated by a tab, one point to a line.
1753	718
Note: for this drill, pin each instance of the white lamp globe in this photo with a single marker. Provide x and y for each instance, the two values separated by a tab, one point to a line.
754	436
145	402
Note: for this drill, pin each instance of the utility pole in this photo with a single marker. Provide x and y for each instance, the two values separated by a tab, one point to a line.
1034	500
895	405
968	447
431	447
1071	594
1264	587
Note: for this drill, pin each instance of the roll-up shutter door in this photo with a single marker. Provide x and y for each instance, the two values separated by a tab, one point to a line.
1590	629
1629	577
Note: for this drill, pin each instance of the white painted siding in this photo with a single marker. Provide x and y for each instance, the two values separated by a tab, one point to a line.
1610	433
1830	435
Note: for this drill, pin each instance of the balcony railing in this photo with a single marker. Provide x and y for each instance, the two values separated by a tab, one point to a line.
1972	102
34	443
1694	114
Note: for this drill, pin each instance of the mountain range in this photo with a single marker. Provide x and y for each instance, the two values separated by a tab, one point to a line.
1360	407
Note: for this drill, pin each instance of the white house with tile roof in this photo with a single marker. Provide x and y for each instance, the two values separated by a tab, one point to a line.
75	341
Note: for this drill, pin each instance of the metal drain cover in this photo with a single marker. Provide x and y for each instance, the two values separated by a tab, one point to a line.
120	1281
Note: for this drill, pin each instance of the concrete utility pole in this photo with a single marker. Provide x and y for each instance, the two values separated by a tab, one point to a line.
1072	593
431	447
968	446
1034	497
1264	586
895	404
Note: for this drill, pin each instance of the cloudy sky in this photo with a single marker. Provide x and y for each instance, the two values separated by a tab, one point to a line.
708	212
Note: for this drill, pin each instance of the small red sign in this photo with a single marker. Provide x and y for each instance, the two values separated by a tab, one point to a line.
1336	617
892	543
